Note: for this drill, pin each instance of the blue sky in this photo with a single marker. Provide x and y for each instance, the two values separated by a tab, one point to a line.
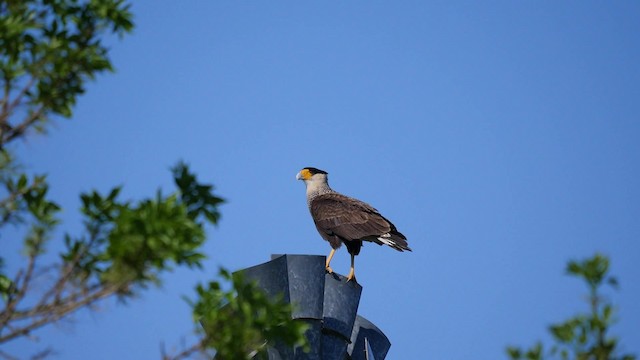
501	138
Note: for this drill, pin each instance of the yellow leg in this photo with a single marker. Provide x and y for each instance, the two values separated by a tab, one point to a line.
352	272
327	267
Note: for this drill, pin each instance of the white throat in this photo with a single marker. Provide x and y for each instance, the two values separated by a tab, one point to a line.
317	185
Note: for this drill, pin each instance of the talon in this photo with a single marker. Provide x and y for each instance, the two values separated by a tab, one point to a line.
329	270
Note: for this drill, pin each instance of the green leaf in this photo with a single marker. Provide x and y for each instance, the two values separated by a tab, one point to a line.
607	311
564	332
535	353
574	268
7	287
514	352
197	197
22	183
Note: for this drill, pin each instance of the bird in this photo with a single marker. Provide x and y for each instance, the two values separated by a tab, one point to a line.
341	219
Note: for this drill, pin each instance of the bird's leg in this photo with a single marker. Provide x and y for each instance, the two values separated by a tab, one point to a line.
352	272
327	267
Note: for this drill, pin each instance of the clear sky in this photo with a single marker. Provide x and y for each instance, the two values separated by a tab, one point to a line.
502	138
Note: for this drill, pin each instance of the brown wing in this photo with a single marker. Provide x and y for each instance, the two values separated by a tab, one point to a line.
347	218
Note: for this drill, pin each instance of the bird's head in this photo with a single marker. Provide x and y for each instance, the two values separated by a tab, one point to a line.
311	175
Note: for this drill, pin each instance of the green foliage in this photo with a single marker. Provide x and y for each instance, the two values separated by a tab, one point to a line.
26	197
27	202
130	244
48	51
126	246
149	235
534	353
196	196
583	336
242	322
6	285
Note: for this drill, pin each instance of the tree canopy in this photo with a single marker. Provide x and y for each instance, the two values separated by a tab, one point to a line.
49	50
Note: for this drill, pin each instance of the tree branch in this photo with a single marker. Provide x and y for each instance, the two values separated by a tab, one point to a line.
7	315
47	311
67	269
9	106
5	101
6	356
54	312
20	129
42	354
186	353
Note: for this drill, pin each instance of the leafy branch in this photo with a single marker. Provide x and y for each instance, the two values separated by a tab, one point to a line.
240	322
48	51
125	248
583	336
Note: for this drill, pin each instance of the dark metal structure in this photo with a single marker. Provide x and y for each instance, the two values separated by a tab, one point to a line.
327	303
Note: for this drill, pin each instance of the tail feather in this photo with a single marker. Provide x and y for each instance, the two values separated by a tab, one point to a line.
393	239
